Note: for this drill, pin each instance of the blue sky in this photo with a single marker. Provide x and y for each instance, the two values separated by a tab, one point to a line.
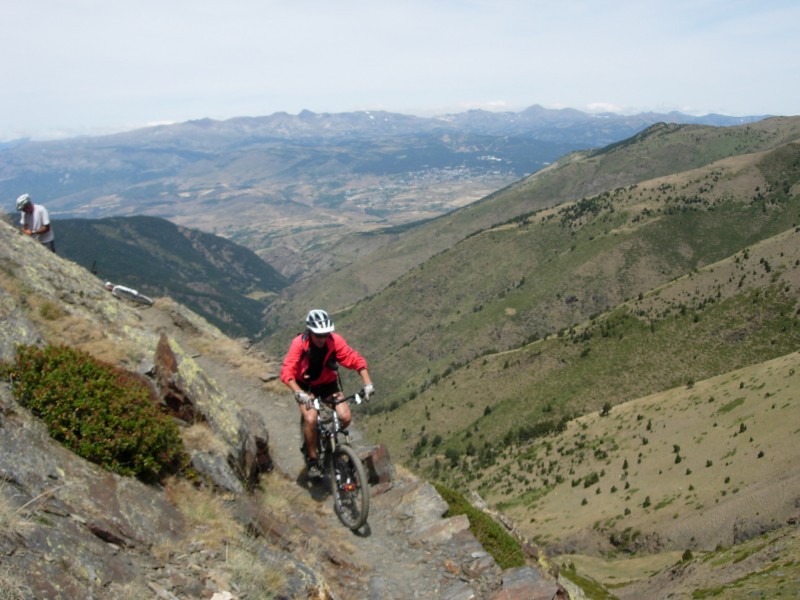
73	67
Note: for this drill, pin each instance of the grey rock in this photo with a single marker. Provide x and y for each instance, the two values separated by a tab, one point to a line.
215	467
526	583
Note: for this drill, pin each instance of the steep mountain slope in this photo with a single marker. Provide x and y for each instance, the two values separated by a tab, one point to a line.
463	346
698	467
543	271
586	258
224	282
739	311
349	272
683	286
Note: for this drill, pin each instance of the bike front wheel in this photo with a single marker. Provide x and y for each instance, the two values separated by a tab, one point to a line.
350	487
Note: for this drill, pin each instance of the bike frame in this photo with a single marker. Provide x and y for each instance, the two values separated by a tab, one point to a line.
348	478
324	430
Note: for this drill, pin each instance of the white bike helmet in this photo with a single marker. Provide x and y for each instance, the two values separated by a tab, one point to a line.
23	201
319	322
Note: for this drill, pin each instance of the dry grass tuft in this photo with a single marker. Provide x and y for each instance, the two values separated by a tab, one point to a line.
61	327
11	518
283	498
50	311
12	586
133	590
254	576
212	522
200	437
8	515
256	579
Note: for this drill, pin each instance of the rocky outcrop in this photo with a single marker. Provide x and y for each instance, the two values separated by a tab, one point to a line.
88	521
526	583
380	469
191	395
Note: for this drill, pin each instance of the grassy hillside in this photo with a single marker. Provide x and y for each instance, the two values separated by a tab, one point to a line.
738	312
466	320
363	265
663	424
699	467
225	283
540	273
664	296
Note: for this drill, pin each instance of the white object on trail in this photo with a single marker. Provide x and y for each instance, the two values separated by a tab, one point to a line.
120	291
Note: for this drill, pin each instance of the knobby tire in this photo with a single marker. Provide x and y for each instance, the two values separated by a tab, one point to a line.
351	507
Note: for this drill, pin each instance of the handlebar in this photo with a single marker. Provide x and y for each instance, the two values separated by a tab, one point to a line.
332	400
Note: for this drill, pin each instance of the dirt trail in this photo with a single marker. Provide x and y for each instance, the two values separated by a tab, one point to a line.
406	550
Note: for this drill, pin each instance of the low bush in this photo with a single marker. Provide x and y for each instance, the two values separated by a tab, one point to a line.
102	413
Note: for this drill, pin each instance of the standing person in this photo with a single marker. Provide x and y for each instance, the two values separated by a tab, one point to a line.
309	370
35	221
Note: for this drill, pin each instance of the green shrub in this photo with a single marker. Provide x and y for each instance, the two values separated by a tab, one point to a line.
102	413
496	540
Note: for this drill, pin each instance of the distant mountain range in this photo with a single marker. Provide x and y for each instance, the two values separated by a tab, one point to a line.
574	126
284	184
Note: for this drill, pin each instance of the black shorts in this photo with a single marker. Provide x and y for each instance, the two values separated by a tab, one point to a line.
320	391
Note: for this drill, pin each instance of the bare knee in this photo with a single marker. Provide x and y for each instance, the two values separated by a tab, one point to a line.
309	417
345	416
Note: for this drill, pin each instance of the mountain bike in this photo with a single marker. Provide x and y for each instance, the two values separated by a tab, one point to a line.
340	463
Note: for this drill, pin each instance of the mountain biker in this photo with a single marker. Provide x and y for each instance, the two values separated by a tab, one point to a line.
35	221
309	370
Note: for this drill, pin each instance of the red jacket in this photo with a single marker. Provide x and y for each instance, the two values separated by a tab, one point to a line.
295	364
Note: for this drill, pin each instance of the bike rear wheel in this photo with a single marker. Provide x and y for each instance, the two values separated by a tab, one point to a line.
350	487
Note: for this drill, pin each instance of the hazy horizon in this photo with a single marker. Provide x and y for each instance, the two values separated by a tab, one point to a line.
89	67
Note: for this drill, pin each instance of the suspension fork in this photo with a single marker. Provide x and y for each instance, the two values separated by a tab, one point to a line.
336	423
335	433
